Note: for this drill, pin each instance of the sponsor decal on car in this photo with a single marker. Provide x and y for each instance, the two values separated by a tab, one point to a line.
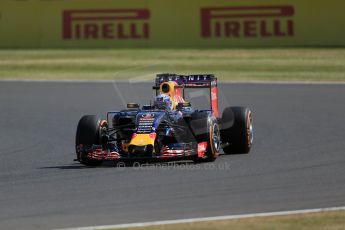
247	21
202	146
148	115
146	122
106	24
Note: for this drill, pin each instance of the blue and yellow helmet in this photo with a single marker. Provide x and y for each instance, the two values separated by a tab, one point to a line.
163	101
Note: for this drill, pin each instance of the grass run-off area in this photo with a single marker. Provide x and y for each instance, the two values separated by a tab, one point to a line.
334	220
301	64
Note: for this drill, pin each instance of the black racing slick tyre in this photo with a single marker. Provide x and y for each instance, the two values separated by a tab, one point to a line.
237	130
205	128
88	134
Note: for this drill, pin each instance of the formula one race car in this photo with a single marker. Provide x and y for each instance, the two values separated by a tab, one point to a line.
170	128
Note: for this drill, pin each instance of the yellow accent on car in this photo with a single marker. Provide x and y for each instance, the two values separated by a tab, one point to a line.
168	88
142	140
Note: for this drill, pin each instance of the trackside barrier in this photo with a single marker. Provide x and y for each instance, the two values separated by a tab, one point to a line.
171	23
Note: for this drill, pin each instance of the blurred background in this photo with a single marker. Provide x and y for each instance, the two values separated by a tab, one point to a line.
114	39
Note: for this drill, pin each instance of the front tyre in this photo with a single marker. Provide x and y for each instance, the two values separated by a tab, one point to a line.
237	130
88	134
206	129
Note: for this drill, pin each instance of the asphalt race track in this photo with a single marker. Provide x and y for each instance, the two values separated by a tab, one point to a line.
298	160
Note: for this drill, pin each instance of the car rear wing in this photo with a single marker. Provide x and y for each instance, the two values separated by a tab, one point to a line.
188	81
192	81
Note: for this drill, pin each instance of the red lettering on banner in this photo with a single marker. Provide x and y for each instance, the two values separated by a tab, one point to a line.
232	29
277	29
134	32
91	31
264	29
105	24
250	28
121	32
107	31
247	21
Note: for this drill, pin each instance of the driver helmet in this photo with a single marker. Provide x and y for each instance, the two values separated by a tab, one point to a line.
163	101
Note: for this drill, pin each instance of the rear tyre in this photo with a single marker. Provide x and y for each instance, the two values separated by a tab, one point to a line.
237	130
88	134
205	128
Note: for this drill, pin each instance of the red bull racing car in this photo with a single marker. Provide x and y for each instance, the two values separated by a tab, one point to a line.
170	128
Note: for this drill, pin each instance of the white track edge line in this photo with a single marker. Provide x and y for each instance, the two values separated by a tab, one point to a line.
204	219
148	81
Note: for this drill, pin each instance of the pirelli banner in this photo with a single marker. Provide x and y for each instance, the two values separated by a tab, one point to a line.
171	23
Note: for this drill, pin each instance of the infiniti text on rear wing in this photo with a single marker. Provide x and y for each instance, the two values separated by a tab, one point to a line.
188	81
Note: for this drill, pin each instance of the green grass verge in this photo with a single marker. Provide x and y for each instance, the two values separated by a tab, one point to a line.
304	64
334	220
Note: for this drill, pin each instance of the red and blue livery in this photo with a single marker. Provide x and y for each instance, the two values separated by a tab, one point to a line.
168	129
